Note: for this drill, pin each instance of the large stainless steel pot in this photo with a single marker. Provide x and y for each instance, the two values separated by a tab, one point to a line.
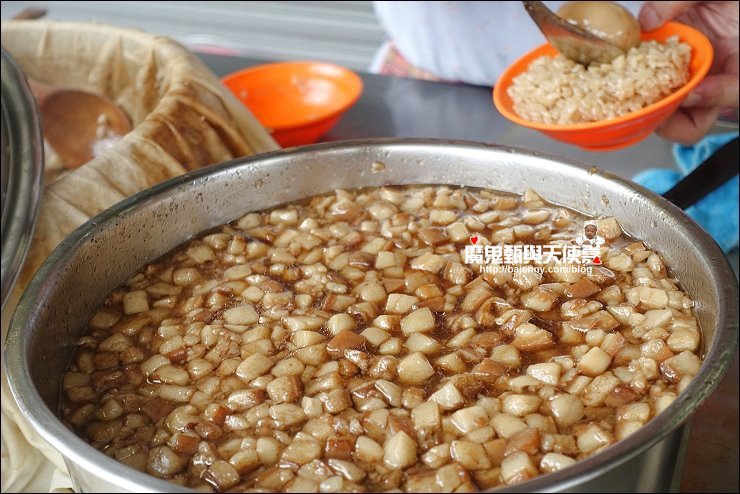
100	254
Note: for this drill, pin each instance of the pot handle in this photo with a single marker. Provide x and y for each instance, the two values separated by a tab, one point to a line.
705	178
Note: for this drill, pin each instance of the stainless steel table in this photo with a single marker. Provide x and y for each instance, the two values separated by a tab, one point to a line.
399	107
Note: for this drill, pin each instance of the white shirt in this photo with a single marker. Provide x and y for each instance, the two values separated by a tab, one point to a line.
471	42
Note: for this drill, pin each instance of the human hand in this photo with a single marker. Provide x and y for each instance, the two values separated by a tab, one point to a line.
719	22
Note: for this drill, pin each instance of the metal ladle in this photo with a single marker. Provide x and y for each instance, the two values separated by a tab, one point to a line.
570	35
77	124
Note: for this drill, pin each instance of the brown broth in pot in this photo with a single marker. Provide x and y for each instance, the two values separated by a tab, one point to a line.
342	343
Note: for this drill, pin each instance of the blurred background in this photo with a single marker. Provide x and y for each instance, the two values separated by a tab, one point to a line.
345	33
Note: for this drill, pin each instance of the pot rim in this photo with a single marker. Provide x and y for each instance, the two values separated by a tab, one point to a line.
718	356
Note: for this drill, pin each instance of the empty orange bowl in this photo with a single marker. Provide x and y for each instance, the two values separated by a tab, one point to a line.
620	132
297	101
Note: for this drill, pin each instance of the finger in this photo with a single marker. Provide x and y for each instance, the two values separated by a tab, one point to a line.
655	14
715	90
687	126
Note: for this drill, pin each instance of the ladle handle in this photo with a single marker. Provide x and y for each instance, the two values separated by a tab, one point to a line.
707	177
30	13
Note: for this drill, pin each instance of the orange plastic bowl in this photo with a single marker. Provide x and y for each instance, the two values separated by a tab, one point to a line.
620	132
297	101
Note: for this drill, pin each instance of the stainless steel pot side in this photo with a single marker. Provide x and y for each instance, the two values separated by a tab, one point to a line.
102	253
21	168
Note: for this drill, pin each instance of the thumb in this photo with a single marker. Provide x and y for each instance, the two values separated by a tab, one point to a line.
715	90
655	14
